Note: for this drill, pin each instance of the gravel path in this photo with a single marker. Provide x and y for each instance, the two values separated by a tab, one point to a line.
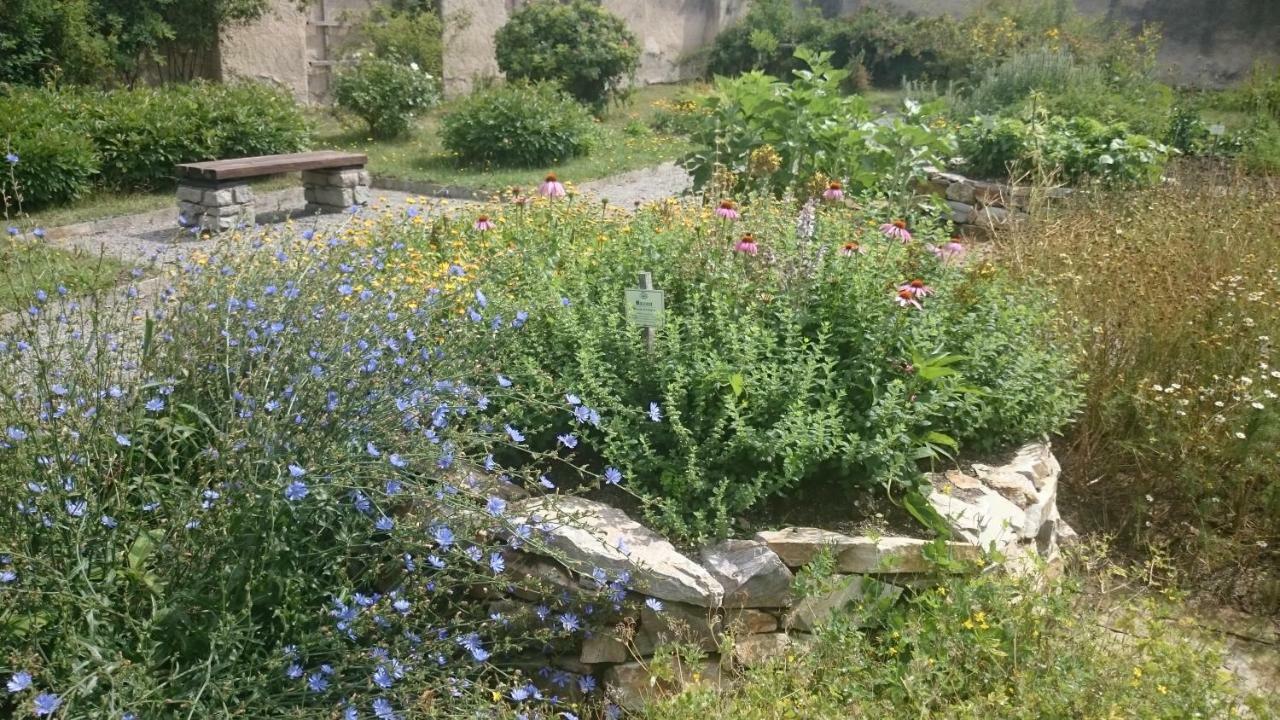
155	238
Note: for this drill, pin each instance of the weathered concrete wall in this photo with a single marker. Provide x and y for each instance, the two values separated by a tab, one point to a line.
670	31
273	49
1207	42
294	47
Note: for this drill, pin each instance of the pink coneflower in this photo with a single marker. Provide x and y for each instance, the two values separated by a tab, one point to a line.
852	248
747	245
551	187
728	210
834	191
951	252
896	230
906	299
484	223
916	288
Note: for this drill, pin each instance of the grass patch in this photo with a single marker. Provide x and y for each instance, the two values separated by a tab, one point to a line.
991	647
626	143
27	267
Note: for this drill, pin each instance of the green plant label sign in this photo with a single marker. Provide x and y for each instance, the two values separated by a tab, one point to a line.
646	308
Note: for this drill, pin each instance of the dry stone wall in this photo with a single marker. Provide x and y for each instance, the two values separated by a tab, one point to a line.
735	599
980	209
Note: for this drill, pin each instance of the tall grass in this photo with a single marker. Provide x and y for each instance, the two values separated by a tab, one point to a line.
1176	292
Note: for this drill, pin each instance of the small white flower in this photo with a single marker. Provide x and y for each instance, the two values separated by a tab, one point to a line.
1256	405
1240	435
1157	388
1262	544
1150	499
413	66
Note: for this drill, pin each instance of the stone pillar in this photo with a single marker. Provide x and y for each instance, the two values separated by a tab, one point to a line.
336	190
215	206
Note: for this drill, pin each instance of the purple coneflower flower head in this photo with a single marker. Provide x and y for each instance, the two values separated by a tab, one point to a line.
906	299
896	230
850	249
834	191
483	223
917	288
728	210
551	187
747	245
951	252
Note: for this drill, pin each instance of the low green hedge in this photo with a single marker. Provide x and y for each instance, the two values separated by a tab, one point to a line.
518	125
69	140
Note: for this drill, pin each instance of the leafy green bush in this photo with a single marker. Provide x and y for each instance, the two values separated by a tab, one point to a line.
264	494
1054	148
387	94
518	124
587	50
50	40
409	37
791	369
54	165
768	135
131	139
989	648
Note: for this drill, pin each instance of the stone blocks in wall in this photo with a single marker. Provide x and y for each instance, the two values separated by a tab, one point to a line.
215	207
981	209
736	601
335	190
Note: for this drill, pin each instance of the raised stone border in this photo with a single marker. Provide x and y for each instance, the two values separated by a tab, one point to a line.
735	601
980	209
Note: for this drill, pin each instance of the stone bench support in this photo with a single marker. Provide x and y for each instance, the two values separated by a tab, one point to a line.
215	206
335	190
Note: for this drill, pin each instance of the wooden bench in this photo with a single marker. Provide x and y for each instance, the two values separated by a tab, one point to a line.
216	196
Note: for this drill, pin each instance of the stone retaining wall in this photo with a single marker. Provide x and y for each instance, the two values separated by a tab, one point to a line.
980	208
735	599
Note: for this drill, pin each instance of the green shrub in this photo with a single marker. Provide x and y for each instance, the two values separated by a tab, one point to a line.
1057	149
519	125
767	135
42	40
990	648
131	139
587	50
408	37
387	94
792	370
55	165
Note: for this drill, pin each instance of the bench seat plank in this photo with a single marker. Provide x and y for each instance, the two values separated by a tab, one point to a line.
215	170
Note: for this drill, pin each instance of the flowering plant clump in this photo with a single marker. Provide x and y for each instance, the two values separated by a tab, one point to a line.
385	93
786	358
273	489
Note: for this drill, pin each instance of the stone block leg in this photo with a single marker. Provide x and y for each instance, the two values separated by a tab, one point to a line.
337	190
215	207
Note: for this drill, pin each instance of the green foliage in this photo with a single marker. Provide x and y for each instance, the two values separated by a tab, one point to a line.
1054	148
769	135
43	40
518	125
587	50
991	647
1064	85
791	370
238	507
55	165
386	93
1172	288
409	37
131	139
1259	94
